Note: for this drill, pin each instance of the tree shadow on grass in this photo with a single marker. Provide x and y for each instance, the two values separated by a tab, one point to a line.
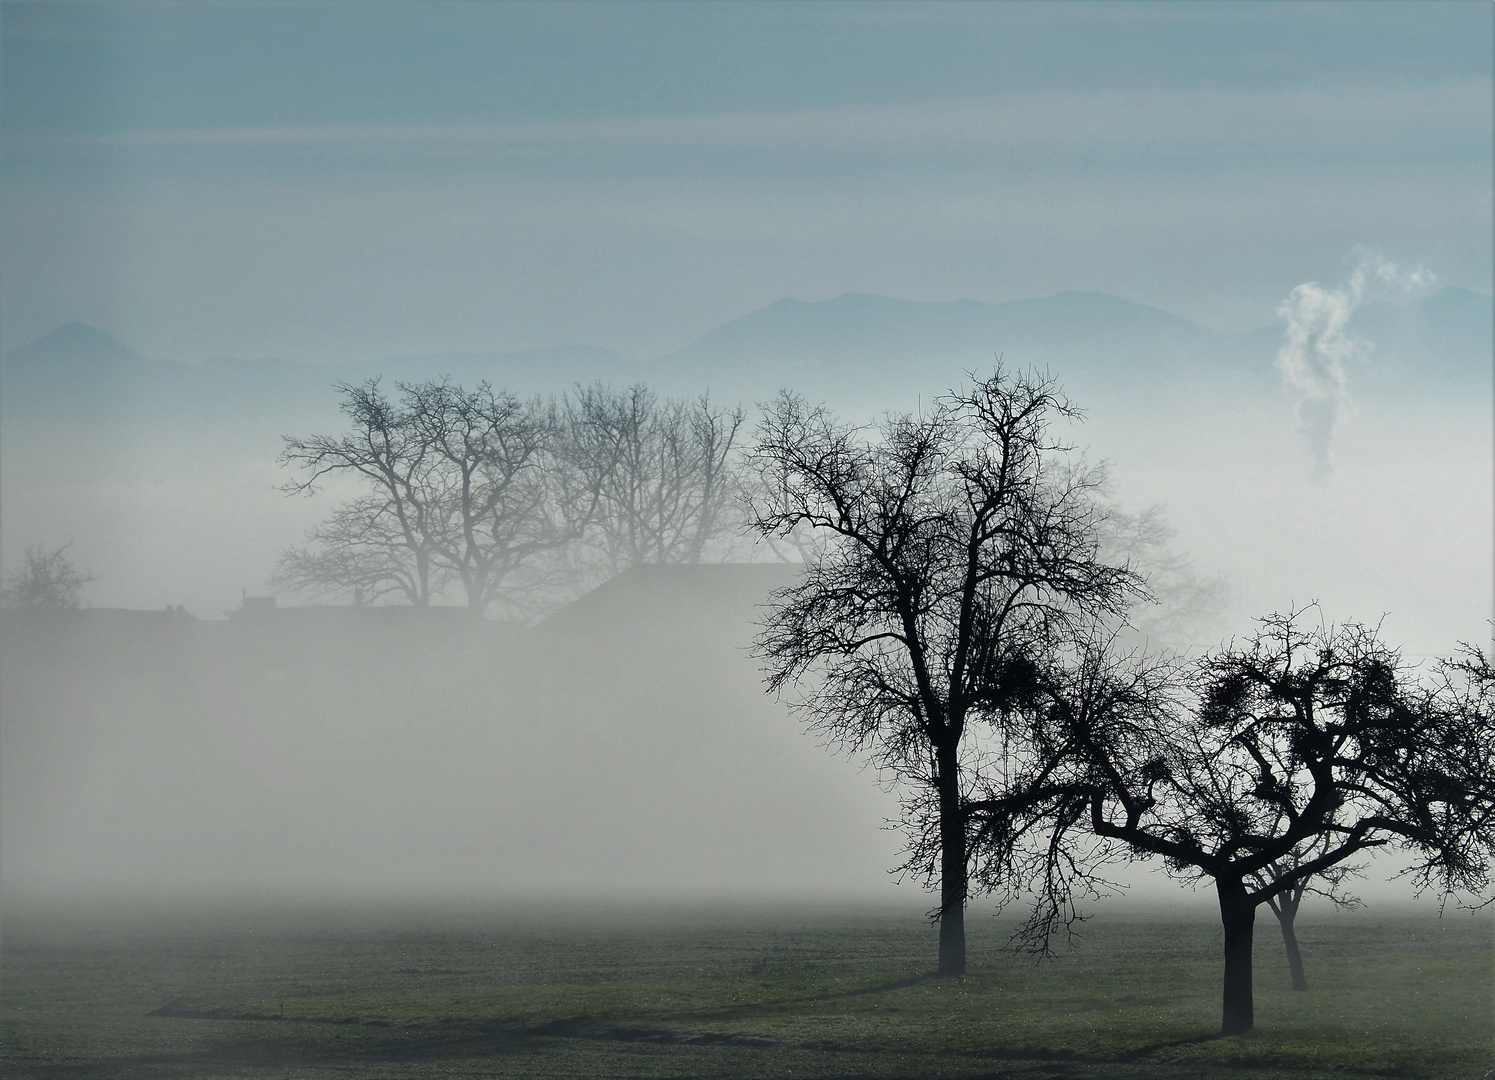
351	1044
273	1048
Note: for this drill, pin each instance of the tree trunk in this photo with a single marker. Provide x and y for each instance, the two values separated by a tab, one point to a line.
952	869
1238	916
1286	910
423	579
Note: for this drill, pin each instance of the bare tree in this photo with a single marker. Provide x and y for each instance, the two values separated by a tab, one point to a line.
490	490
662	472
383	449
460	488
962	548
1327	883
47	580
1268	766
361	550
1182	605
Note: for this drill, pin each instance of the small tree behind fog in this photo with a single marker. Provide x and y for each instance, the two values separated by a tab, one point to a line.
458	490
962	548
360	550
1328	883
662	473
46	580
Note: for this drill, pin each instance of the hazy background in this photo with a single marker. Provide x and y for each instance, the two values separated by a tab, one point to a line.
242	204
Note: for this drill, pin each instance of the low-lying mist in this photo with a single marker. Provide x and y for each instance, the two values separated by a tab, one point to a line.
625	748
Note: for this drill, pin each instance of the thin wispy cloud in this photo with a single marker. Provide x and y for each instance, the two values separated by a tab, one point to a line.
1210	118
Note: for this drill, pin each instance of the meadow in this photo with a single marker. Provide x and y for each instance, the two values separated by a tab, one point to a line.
284	992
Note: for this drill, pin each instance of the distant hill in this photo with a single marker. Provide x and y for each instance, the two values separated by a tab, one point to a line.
879	329
528	371
1445	337
1095	344
75	366
80	365
75	343
857	350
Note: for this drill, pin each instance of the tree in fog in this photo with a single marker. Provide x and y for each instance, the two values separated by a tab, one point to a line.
46	580
1260	767
490	489
961	549
362	550
661	472
1182	606
391	535
459	488
1327	883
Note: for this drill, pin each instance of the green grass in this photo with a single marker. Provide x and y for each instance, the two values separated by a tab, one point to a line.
768	996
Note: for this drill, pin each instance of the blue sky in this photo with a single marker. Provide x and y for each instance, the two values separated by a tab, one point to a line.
352	180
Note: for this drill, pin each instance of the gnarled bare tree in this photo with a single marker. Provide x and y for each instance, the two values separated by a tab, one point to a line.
1261	768
962	547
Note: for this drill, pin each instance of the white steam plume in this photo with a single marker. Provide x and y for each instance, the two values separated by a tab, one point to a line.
1318	347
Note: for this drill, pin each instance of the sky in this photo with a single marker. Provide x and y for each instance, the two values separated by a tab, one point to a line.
349	181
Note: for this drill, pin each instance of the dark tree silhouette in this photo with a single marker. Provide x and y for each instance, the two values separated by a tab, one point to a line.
46	580
1261	768
961	547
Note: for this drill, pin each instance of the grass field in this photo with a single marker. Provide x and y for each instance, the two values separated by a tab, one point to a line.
786	992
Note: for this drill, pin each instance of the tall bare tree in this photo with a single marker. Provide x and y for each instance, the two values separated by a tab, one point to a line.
383	449
490	489
962	547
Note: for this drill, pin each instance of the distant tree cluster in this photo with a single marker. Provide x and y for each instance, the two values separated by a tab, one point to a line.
968	622
513	502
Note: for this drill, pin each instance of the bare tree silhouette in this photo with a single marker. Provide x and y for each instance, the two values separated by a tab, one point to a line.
1327	883
961	548
663	472
1261	768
